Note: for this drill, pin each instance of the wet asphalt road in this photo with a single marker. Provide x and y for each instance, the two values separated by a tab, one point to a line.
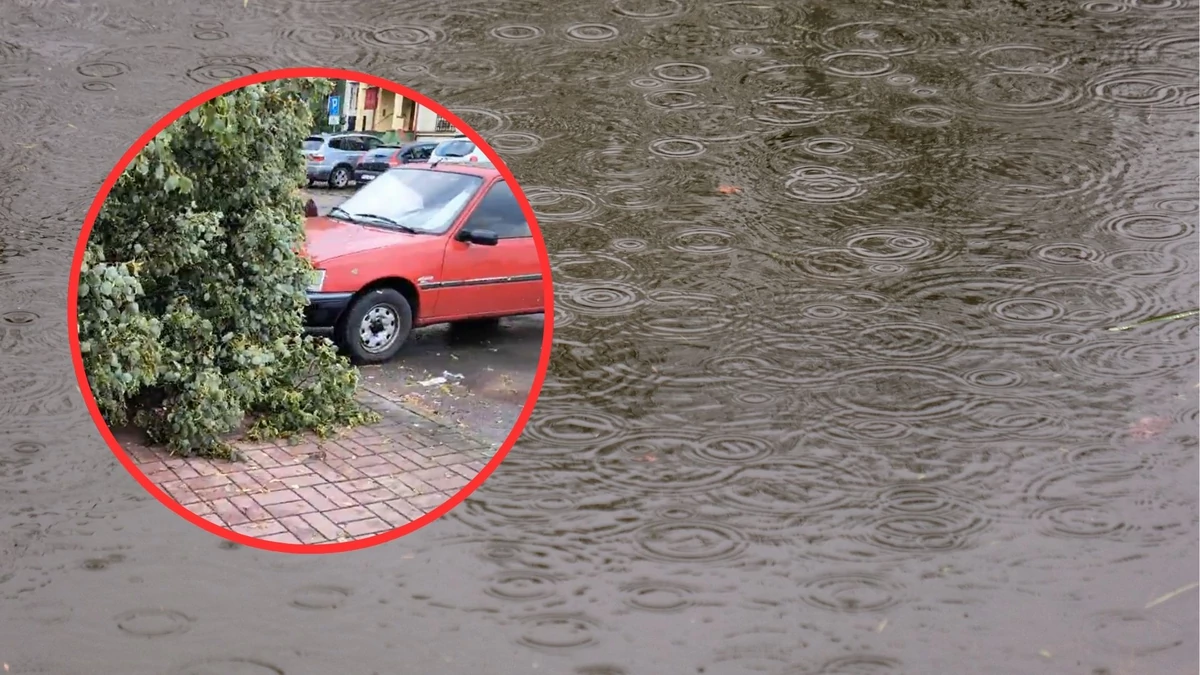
487	372
479	378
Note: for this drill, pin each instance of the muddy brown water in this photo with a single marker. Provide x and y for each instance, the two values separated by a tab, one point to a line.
831	390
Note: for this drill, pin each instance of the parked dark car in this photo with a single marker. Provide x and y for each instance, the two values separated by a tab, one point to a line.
375	162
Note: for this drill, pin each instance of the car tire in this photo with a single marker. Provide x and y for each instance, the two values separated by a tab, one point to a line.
376	326
339	178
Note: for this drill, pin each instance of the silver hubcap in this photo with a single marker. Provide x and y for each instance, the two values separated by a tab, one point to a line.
379	329
340	178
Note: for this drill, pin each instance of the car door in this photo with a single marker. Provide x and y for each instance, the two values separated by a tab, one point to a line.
337	151
356	147
479	280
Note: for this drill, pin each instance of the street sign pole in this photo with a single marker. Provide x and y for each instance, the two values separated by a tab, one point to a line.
335	110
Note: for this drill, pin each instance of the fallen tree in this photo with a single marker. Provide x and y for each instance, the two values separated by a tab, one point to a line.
191	294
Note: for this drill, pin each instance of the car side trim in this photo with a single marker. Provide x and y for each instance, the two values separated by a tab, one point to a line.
482	281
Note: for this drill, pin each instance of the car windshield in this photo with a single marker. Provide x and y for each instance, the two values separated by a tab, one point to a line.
413	199
454	149
314	143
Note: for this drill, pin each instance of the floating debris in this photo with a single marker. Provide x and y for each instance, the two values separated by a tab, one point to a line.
1149	427
1178	591
1154	319
444	378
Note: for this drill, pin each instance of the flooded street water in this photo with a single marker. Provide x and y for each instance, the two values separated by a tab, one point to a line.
831	392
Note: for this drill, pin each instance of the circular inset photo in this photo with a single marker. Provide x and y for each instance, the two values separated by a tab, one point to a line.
310	310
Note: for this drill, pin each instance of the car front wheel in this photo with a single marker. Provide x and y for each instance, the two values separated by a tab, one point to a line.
376	326
340	177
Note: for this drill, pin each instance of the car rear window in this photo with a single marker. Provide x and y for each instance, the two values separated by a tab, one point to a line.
314	143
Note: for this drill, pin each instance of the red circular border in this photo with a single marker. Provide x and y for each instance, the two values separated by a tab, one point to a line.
73	326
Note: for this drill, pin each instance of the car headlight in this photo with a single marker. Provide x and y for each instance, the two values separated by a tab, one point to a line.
316	281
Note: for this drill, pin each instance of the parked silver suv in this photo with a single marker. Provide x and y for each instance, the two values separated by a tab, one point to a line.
331	158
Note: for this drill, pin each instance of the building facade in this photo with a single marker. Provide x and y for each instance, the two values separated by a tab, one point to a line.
394	117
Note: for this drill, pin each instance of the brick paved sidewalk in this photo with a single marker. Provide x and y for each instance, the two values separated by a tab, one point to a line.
367	481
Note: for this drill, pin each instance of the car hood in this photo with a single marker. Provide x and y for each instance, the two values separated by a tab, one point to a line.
328	238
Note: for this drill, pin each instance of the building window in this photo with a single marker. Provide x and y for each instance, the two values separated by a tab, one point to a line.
443	125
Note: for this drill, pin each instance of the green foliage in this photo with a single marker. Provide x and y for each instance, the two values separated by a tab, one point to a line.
191	295
318	103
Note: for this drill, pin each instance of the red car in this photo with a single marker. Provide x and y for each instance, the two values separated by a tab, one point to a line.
420	245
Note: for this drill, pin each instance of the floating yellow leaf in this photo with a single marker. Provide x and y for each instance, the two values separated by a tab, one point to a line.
1178	591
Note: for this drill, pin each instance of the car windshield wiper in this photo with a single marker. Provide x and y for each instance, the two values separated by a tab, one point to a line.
388	221
340	213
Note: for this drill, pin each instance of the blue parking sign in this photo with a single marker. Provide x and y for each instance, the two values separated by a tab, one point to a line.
335	106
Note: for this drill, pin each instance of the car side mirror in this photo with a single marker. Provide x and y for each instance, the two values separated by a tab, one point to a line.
310	209
480	237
